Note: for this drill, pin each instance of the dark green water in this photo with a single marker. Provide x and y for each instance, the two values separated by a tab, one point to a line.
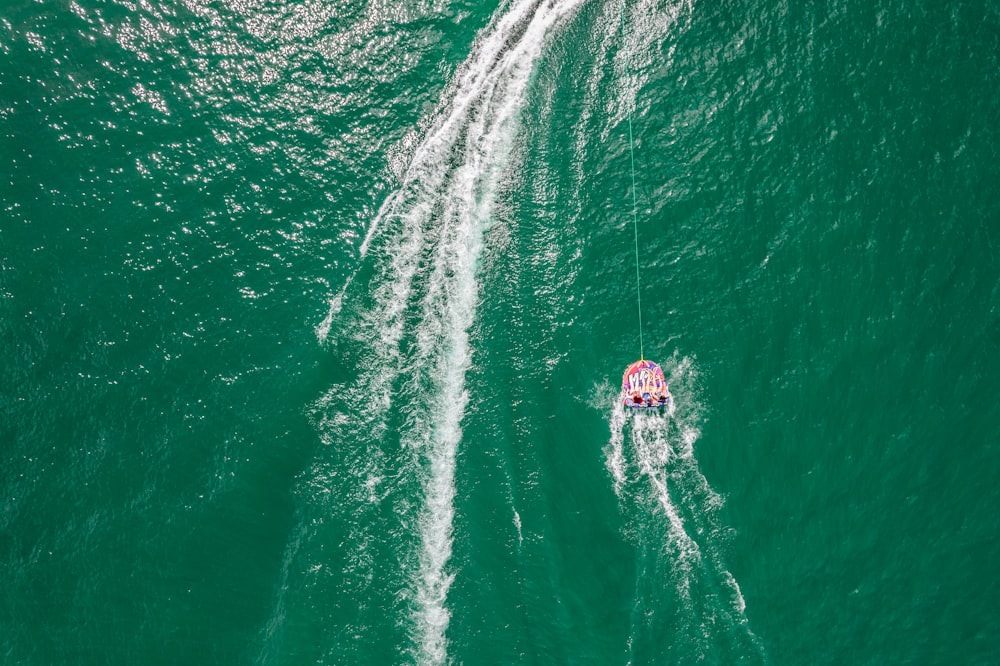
313	318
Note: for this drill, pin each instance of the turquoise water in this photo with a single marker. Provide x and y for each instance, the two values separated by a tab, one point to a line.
314	317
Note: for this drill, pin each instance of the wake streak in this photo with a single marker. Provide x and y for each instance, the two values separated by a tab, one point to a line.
674	513
429	236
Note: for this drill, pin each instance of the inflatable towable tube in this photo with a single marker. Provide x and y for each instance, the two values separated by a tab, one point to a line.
644	386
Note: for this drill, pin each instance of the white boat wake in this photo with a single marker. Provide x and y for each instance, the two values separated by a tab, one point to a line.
421	298
673	519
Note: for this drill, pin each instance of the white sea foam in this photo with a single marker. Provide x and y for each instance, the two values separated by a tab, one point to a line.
615	451
653	452
490	93
655	473
428	237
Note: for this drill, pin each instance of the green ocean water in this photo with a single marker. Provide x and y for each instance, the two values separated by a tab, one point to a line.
314	316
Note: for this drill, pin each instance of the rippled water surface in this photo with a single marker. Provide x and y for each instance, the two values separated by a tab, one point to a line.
313	316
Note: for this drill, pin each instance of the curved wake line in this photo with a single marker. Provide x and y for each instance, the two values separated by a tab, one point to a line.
650	458
494	56
490	94
653	453
429	236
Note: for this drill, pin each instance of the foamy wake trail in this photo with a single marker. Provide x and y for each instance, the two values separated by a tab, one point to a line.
653	453
675	513
427	239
